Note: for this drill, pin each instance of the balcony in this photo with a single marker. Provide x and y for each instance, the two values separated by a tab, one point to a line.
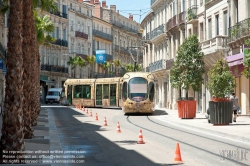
61	42
116	47
214	44
116	23
169	64
60	14
171	23
158	65
181	18
81	35
54	68
84	56
109	57
192	17
102	35
157	31
212	49
239	32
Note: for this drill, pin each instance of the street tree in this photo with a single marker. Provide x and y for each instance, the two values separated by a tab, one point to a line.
12	138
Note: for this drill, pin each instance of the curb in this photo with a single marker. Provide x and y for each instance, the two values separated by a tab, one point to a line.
219	133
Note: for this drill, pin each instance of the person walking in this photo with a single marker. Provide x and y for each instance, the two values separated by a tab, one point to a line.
235	100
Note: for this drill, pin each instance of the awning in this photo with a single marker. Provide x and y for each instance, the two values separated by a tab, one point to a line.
48	82
235	60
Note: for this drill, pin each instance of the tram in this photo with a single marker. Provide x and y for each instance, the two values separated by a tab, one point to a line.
138	93
134	92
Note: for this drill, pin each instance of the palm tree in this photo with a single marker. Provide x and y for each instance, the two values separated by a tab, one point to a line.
117	63
12	138
74	62
91	60
82	63
129	67
44	24
106	65
28	58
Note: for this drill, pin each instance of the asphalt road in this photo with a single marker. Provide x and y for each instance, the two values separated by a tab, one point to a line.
103	146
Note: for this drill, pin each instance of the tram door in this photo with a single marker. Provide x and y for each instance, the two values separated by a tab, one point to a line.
98	101
112	94
69	94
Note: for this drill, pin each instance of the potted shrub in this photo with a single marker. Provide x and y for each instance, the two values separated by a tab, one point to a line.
220	84
186	73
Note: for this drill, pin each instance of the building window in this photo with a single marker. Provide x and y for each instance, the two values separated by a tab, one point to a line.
209	28
57	32
88	31
79	26
64	34
82	27
217	24
82	48
71	25
225	23
79	48
88	51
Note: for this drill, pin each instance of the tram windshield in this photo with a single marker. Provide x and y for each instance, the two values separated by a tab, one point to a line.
138	89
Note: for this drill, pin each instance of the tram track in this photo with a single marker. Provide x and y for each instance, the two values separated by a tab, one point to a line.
186	143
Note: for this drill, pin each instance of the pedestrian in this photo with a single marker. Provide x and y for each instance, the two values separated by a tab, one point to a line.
235	100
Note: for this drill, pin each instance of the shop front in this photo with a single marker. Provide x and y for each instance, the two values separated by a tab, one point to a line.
235	62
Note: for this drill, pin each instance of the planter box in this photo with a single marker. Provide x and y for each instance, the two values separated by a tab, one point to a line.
221	113
187	109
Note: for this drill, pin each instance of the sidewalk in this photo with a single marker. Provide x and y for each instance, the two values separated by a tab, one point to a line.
239	130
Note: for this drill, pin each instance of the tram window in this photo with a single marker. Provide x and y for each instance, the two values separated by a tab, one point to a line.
82	91
124	91
138	88
151	91
106	91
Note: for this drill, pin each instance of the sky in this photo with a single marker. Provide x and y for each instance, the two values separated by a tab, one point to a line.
139	8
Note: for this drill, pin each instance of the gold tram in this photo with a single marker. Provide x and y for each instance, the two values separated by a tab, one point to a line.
134	92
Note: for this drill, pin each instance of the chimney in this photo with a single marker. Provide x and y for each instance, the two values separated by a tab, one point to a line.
97	11
131	17
113	7
92	2
104	4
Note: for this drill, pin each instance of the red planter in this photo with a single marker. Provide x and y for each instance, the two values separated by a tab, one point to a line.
187	109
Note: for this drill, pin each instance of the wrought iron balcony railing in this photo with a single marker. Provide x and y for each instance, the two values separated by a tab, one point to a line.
158	31
157	65
192	13
60	14
125	27
81	35
239	30
61	42
54	68
102	34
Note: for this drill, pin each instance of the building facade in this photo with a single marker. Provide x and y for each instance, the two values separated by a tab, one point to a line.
214	22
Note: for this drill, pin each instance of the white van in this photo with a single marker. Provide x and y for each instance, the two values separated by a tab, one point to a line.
54	95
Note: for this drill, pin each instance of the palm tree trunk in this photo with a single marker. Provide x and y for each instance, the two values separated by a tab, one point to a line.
35	102
12	138
27	55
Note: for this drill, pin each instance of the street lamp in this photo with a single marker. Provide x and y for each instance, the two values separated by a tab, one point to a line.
135	60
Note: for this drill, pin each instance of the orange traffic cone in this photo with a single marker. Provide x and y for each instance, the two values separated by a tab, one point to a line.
140	140
96	117
90	113
105	122
178	154
118	130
